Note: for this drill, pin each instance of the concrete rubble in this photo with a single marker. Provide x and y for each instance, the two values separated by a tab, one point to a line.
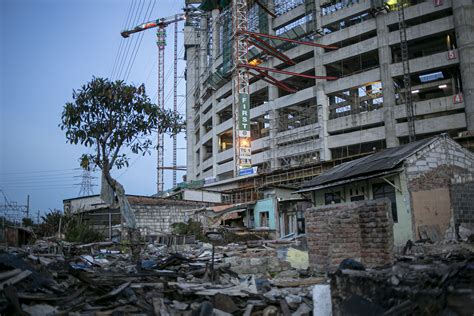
55	277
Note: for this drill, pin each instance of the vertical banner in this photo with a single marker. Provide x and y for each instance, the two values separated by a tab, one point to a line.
244	115
245	153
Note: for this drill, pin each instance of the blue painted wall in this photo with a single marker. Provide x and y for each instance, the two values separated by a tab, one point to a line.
266	205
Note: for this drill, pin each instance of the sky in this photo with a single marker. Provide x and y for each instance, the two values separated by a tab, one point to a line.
47	49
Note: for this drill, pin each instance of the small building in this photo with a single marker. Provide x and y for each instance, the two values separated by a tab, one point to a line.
154	215
429	183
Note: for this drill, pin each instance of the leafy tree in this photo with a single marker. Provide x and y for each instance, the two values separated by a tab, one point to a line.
27	222
108	117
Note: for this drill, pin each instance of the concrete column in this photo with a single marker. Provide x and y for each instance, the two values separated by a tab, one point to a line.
203	48
191	69
385	59
463	11
272	96
216	38
321	98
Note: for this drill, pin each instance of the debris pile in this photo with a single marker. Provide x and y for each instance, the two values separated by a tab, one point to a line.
435	284
56	277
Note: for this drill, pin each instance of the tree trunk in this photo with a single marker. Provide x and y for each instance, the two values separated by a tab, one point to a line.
111	188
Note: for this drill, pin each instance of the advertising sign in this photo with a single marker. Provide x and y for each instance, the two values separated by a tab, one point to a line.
244	115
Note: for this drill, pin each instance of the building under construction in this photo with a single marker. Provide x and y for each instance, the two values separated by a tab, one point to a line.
327	81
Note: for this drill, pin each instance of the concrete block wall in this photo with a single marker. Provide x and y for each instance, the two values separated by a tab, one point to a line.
462	195
157	219
435	166
359	230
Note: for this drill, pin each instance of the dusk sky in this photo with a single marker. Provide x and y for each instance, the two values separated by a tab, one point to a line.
50	47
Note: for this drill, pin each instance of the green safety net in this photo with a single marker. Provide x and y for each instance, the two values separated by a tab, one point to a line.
209	5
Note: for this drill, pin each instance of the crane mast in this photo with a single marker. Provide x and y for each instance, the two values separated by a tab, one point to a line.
161	24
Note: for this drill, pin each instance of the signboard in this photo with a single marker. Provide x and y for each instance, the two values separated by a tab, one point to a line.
246	171
457	98
451	54
245	153
244	115
437	3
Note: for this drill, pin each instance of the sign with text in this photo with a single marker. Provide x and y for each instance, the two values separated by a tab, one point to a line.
457	98
244	115
246	171
245	153
451	54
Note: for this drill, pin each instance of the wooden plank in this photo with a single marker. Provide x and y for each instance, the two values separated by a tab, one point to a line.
15	279
9	274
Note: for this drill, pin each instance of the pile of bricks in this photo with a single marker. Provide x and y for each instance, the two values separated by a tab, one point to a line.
359	230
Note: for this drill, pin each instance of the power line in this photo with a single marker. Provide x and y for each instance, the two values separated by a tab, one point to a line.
129	43
132	60
121	40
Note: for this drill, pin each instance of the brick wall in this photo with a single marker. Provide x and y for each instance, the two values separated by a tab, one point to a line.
359	230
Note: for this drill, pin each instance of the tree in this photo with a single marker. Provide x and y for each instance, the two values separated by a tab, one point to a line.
110	116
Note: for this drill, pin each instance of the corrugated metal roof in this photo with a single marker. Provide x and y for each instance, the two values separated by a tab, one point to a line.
384	160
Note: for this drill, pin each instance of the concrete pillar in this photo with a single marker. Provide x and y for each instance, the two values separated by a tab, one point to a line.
216	37
203	48
385	59
272	96
321	98
191	70
463	11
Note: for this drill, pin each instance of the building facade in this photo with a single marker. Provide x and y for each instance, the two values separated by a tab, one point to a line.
362	110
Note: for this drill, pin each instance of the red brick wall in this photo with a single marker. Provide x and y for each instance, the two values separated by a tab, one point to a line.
359	230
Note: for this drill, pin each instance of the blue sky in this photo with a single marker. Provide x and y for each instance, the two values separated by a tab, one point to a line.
50	47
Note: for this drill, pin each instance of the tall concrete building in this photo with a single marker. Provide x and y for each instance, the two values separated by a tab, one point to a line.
303	121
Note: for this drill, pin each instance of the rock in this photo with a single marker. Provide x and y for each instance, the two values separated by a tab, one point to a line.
287	274
395	281
293	300
180	306
225	303
270	311
273	294
39	310
303	310
351	264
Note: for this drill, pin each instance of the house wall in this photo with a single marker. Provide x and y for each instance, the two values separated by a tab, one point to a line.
84	204
266	205
358	230
157	219
438	177
402	230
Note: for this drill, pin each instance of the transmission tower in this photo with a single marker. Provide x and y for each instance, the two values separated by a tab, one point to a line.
86	184
12	211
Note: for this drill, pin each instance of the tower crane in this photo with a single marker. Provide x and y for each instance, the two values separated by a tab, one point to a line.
161	24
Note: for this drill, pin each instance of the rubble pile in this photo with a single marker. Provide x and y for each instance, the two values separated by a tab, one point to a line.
60	278
424	284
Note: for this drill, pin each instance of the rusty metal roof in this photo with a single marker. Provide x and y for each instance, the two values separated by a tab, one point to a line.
379	162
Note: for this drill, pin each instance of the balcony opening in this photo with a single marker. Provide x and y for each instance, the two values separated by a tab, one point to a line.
226	140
